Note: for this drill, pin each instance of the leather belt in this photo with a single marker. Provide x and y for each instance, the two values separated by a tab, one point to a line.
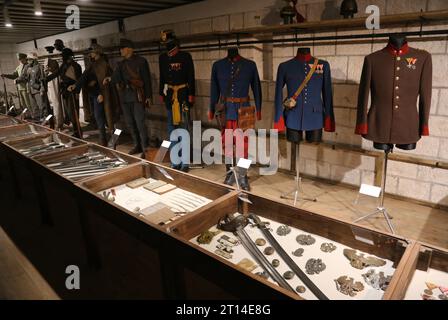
236	100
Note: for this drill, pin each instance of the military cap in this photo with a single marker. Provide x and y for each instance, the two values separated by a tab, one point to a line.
126	43
49	49
21	56
96	48
32	55
66	52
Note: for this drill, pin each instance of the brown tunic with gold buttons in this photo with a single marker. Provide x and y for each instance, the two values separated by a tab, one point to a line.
395	79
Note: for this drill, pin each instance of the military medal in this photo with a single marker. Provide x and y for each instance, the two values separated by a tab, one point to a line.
207	236
305	239
283	230
298	252
315	266
411	63
327	247
358	261
377	280
348	286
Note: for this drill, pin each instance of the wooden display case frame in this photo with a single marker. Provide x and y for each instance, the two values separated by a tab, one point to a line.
6	133
387	246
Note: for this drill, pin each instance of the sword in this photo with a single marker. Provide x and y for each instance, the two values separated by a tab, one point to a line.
291	264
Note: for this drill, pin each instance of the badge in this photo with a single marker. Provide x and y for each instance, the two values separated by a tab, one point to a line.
319	68
411	63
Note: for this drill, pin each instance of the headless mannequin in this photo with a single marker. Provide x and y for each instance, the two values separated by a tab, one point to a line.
397	41
296	136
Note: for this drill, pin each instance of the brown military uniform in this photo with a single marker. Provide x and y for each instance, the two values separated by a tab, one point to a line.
395	78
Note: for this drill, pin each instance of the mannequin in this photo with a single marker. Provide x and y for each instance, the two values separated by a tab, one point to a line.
232	53
397	41
304	55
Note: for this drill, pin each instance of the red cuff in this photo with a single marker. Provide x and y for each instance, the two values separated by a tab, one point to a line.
210	115
280	125
258	115
162	99
425	130
330	125
191	99
361	129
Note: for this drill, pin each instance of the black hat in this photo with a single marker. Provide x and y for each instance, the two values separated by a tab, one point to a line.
49	49
21	56
126	43
96	48
58	42
67	53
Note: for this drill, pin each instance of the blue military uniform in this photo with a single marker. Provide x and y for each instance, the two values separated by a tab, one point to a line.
222	71
314	108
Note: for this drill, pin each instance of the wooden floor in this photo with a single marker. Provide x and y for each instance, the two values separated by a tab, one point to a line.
20	280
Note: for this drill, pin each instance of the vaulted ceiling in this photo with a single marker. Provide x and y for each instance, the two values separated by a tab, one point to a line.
27	26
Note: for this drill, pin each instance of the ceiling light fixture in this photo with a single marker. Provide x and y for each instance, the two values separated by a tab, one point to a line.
8	22
37	8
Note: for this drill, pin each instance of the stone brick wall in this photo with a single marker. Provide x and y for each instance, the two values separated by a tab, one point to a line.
8	63
345	57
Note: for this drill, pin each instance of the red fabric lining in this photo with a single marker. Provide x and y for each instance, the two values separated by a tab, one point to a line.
361	129
280	125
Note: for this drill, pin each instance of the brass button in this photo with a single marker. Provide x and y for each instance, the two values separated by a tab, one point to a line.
396	107
397	78
398	59
397	87
398	97
398	68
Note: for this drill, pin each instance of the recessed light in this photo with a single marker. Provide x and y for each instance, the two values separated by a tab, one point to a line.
8	25
38	13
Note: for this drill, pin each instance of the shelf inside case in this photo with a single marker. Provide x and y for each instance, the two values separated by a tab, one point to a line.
156	194
21	131
344	261
44	144
85	161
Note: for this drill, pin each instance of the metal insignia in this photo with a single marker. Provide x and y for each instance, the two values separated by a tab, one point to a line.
263	274
358	261
275	263
305	239
348	286
315	266
300	289
260	242
223	254
288	275
298	252
377	280
207	236
268	251
327	247
283	230
443	297
428	292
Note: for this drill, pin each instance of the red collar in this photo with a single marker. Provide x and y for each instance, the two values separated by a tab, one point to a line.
397	52
235	58
173	52
304	57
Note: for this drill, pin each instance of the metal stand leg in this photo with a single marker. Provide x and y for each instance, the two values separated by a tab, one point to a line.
295	194
381	209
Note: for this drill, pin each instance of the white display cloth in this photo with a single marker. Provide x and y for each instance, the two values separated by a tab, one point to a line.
336	263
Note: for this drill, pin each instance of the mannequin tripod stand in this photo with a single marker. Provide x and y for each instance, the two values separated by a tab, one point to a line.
295	194
381	209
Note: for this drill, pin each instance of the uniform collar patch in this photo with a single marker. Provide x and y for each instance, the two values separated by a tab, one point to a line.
397	52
